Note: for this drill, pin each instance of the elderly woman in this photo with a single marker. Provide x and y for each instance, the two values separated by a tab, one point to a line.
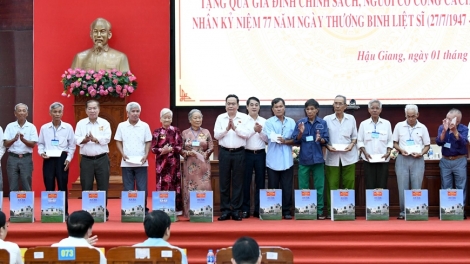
166	144
197	148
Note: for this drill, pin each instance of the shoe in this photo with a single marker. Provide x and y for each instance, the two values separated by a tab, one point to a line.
401	217
224	217
236	216
321	217
288	217
328	217
246	214
256	214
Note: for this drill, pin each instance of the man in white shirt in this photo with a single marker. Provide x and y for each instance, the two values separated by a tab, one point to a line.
12	248
341	154
133	139
374	139
93	135
2	151
20	137
231	131
255	157
79	228
56	145
411	139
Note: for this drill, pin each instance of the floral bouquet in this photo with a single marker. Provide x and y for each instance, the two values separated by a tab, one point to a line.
393	153
295	152
98	83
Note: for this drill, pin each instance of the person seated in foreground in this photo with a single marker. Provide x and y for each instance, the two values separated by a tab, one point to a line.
79	228
246	251
12	248
157	228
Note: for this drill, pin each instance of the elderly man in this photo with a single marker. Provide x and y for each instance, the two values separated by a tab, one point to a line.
79	228
231	130
93	134
133	139
56	145
374	139
411	139
101	56
341	154
12	248
157	228
20	138
246	251
452	136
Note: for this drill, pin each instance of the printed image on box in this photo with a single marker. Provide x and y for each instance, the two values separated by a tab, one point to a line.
165	201
21	207
343	205
377	205
416	205
200	206
305	205
270	203
94	202
52	207
133	206
451	205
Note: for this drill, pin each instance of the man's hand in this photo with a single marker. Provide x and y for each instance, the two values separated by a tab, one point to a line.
92	240
66	163
44	155
143	159
125	157
301	127
416	155
367	155
404	153
258	128
445	124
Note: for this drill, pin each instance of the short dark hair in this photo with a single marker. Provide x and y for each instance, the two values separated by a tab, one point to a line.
79	222
3	219
248	102
312	102
92	101
156	223
232	95
277	100
245	251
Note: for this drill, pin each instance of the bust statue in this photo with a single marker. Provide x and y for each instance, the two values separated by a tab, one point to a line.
101	56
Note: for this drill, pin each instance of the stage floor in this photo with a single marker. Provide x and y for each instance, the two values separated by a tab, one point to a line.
359	241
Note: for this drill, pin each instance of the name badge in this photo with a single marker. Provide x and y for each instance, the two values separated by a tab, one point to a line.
195	143
410	142
375	134
447	145
55	142
309	138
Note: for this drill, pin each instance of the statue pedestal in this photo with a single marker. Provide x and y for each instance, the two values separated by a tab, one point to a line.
114	111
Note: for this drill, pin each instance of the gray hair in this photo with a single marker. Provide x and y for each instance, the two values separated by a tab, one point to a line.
132	105
411	107
55	105
455	110
375	101
21	104
190	114
93	24
165	111
341	96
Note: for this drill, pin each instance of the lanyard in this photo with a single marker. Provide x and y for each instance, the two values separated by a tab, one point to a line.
195	135
411	132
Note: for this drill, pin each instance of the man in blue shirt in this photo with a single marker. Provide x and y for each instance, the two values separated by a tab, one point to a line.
453	138
157	228
311	133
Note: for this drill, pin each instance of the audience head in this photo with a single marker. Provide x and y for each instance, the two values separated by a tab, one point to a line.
157	225
3	225
246	251
79	224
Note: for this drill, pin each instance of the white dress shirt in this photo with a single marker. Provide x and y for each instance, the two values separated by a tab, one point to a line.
29	132
78	242
2	147
101	130
341	133
64	134
375	145
14	250
403	132
133	138
256	141
231	139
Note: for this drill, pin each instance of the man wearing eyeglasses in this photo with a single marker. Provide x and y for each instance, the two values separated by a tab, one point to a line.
12	248
411	139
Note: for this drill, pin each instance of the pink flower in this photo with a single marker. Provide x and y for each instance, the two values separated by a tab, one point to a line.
118	73
88	77
69	70
91	71
95	85
105	92
115	81
113	70
124	91
101	72
68	95
110	89
132	78
72	85
118	88
64	94
101	87
69	76
129	73
71	89
130	89
82	92
122	95
63	75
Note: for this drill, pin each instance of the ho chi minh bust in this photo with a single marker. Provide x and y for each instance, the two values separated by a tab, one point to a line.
101	56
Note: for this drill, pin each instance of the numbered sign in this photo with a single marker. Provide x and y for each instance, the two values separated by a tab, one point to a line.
66	253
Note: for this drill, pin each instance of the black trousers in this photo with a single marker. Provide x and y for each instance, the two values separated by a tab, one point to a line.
256	162
282	180
231	173
375	175
53	171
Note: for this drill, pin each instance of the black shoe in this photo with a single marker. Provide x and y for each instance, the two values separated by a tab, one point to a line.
256	214
288	217
236	216
246	214
224	217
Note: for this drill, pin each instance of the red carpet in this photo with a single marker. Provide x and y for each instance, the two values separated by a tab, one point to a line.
359	241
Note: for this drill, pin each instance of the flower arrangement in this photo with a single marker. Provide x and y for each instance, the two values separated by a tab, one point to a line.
98	83
393	153
295	152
